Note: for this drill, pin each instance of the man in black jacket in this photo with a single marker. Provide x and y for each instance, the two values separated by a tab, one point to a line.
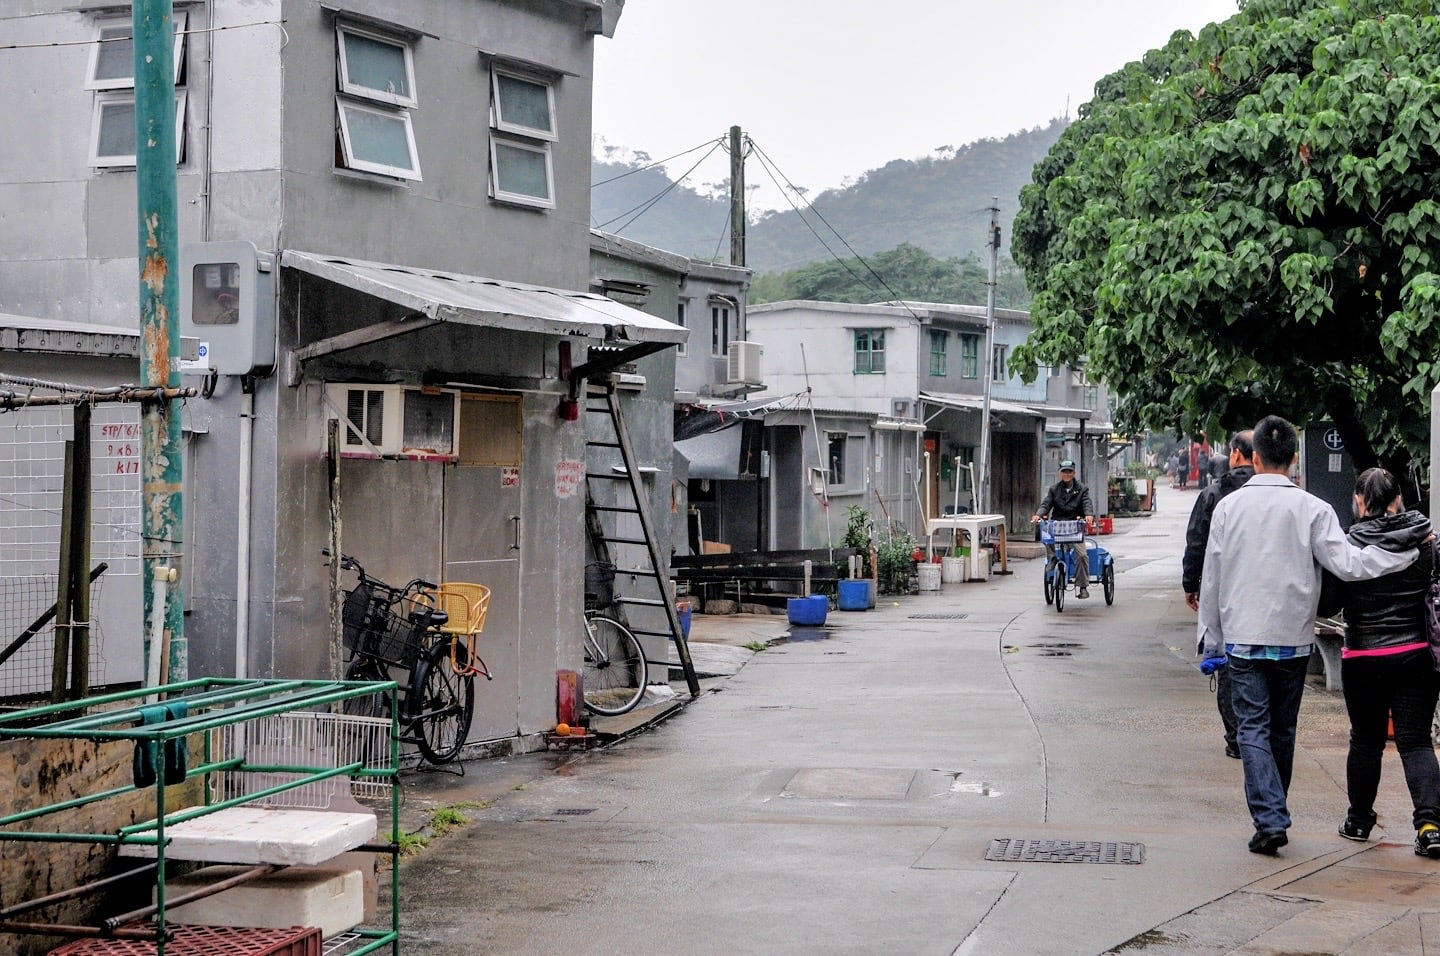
1197	536
1069	499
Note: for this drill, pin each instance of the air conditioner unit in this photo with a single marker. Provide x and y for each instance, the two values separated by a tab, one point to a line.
743	365
394	420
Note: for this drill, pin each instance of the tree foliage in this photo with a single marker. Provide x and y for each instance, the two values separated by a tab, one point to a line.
1247	223
905	272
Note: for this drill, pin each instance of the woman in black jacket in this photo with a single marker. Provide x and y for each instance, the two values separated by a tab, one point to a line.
1386	668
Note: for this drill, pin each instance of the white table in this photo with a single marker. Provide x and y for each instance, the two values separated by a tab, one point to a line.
971	526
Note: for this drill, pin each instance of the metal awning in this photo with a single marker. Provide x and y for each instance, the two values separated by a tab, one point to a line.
436	297
714	455
25	333
977	403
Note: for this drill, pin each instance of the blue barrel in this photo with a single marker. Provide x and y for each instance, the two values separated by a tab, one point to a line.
855	595
808	611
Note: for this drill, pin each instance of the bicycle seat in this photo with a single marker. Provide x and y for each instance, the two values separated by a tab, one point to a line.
429	617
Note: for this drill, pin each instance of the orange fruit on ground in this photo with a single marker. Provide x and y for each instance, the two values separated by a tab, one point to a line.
562	730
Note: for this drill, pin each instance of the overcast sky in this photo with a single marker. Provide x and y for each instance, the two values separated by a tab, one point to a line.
831	88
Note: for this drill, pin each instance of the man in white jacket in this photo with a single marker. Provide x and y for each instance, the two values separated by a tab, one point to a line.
1258	591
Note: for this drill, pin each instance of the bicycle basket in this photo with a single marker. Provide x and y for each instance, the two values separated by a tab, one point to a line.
1062	532
393	638
355	615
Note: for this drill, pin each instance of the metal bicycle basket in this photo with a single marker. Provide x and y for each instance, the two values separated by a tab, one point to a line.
392	637
1059	531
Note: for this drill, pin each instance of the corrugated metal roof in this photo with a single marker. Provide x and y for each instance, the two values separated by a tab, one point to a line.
977	402
478	301
27	333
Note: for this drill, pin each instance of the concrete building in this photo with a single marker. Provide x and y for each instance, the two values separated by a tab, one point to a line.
901	387
349	174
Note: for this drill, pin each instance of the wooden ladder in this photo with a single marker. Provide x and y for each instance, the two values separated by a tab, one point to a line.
628	498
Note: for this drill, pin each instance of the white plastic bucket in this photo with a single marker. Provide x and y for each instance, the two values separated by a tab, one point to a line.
929	576
952	570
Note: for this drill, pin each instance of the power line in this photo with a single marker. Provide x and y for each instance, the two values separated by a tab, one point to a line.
98	40
767	162
658	162
649	204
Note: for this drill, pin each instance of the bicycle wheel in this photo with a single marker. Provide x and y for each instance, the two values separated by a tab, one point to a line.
615	669
1107	580
444	707
371	705
1049	578
1058	586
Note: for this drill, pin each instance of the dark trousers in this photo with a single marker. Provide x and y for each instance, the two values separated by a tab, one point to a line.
1226	705
1403	687
1267	705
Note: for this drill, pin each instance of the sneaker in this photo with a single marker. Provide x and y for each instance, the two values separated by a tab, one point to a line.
1427	841
1353	829
1232	750
1084	593
1268	841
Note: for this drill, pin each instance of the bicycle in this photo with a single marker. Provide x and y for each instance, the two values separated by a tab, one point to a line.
1061	564
389	629
615	672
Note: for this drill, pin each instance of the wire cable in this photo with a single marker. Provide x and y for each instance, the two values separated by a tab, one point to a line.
658	162
649	204
767	162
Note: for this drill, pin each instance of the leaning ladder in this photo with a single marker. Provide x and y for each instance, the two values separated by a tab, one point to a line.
602	402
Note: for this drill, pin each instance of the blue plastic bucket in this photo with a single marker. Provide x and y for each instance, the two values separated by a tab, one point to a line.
855	595
808	611
683	611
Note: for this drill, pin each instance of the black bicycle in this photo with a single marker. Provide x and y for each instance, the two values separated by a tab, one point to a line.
400	634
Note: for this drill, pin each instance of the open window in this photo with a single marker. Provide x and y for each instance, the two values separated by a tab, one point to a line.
112	133
111	74
522	127
112	57
395	421
375	83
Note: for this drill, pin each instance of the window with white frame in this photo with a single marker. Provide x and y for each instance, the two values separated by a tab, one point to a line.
939	339
869	351
719	330
522	127
969	355
375	80
1000	373
111	74
835	458
682	309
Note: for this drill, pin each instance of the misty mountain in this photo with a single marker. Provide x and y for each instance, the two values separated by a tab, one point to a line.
937	203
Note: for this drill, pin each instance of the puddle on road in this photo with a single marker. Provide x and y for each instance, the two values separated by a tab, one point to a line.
1057	648
800	634
980	788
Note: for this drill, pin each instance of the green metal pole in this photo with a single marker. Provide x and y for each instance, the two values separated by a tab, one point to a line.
160	441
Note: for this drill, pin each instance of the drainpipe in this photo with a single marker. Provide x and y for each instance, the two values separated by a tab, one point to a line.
242	544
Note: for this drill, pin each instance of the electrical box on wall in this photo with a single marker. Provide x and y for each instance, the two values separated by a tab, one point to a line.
227	301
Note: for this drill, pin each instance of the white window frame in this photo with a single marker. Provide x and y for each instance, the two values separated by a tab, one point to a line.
682	319
125	25
521	199
128	96
999	363
364	165
497	115
342	68
719	330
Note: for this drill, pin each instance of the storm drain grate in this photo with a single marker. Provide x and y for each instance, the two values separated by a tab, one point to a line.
574	811
938	617
1063	851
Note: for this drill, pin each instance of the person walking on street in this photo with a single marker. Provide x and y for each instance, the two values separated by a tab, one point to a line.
1238	470
1259	588
1183	472
1385	665
1069	499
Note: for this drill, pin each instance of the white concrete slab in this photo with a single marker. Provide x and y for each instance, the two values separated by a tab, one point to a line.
249	834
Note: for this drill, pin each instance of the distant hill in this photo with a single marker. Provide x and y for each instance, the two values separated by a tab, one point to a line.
936	203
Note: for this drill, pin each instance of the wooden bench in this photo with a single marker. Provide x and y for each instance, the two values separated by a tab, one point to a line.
1328	641
753	571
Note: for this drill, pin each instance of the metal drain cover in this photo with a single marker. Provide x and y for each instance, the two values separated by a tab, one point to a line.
938	617
574	811
1063	851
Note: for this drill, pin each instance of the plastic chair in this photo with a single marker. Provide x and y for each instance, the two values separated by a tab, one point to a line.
466	604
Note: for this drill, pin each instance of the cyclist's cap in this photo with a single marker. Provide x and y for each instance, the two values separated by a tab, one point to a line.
1067	465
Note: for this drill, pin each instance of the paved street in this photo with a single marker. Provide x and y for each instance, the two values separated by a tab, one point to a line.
840	795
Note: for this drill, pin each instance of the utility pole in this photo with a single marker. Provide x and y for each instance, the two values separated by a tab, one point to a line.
983	499
159	255
737	198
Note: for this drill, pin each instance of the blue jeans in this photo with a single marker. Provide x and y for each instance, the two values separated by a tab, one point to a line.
1266	695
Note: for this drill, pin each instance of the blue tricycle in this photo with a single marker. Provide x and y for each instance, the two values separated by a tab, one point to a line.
1060	572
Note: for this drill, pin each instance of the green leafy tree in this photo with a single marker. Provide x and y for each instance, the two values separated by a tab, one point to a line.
905	272
1248	222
